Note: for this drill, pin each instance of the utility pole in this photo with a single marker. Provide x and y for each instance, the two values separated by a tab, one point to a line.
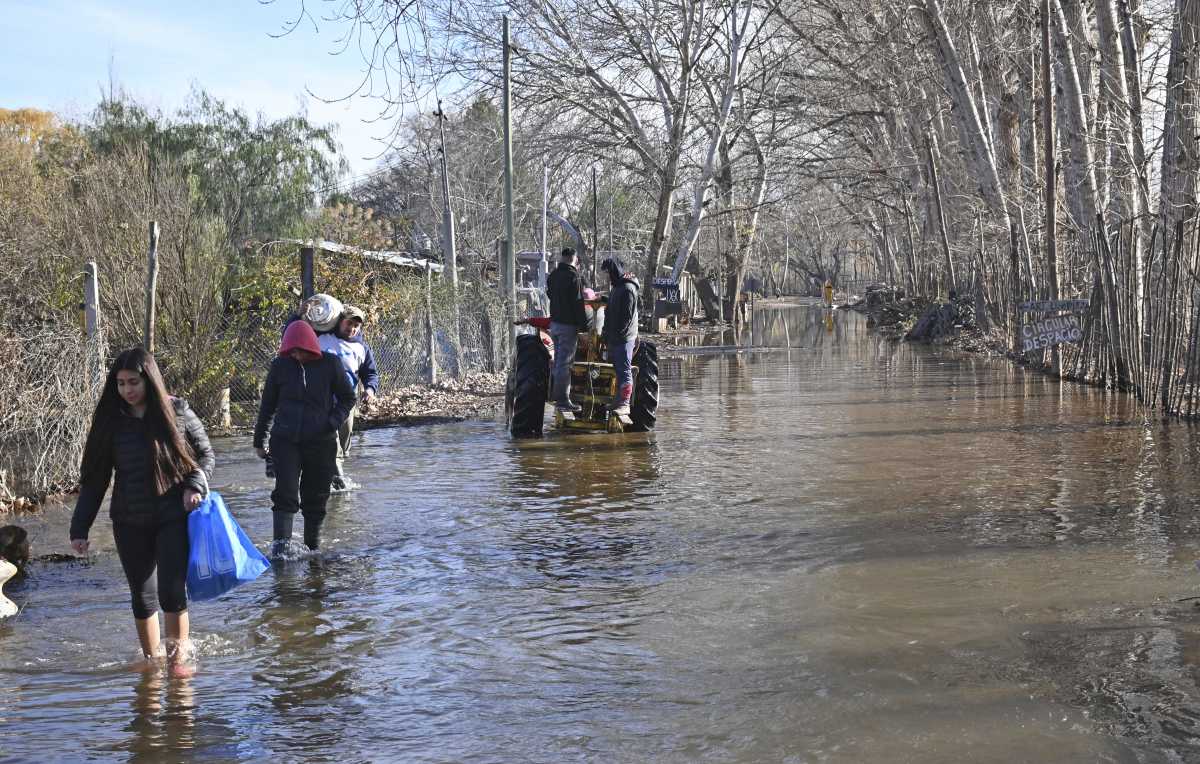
610	220
545	206
508	271
595	227
449	256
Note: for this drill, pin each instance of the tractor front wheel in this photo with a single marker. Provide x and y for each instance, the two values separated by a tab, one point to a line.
527	388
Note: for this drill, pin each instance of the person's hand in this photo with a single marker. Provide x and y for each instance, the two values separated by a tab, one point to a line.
262	453
368	397
191	499
79	546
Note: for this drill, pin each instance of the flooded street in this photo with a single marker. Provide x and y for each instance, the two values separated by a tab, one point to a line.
839	549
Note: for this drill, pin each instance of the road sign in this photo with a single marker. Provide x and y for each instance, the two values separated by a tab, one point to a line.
669	301
1053	306
668	289
1052	331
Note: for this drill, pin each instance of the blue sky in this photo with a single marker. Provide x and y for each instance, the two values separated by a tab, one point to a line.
57	55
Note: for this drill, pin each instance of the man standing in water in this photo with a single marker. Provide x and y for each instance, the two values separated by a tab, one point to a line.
567	319
621	328
347	344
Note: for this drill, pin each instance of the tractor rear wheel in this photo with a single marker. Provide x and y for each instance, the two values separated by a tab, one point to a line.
645	388
528	388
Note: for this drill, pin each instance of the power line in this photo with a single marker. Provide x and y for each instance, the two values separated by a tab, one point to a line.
350	182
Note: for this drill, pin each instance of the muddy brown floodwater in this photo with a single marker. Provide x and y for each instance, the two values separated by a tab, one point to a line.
843	550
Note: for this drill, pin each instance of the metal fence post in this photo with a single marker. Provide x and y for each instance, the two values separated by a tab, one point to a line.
430	342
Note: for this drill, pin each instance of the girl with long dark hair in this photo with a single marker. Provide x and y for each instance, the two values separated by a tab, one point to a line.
157	447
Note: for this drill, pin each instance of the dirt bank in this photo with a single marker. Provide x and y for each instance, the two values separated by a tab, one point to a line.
949	324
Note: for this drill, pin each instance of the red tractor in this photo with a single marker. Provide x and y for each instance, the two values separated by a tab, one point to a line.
593	385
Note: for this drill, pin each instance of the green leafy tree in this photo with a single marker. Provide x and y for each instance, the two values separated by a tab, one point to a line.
261	177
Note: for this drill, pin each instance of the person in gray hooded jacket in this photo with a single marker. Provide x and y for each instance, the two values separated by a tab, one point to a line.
621	327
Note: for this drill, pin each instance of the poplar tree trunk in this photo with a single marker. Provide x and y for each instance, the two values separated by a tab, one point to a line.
737	35
966	112
1126	201
745	243
1180	156
1080	164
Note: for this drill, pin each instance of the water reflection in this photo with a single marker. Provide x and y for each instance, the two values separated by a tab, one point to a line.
164	716
308	645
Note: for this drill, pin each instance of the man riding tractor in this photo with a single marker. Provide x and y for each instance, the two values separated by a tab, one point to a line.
615	396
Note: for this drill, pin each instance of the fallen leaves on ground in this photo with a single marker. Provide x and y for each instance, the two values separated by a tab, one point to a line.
473	396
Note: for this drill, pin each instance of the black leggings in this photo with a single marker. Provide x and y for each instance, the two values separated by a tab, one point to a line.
144	548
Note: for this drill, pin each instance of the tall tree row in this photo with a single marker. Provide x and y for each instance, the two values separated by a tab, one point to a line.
916	141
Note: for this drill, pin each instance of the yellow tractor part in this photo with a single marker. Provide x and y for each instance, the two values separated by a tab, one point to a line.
594	387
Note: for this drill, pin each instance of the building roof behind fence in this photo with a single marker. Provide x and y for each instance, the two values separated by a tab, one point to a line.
403	259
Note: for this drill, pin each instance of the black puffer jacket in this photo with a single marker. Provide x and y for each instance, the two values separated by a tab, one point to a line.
302	402
621	316
135	498
566	297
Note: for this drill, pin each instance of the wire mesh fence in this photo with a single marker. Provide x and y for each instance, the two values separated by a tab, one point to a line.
413	345
419	328
52	380
215	347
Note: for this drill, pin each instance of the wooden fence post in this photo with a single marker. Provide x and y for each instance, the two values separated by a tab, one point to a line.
307	255
91	300
226	412
151	286
91	323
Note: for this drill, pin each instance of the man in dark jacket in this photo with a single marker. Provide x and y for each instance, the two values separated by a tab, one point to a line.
621	328
567	319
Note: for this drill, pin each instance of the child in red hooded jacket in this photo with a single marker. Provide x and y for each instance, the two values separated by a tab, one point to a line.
305	399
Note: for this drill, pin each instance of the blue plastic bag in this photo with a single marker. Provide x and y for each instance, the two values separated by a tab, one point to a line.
221	555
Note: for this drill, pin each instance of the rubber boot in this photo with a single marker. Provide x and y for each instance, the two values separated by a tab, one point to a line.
622	406
281	534
312	534
283	525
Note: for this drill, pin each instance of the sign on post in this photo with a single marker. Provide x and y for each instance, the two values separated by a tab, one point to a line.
669	301
1052	330
1050	306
